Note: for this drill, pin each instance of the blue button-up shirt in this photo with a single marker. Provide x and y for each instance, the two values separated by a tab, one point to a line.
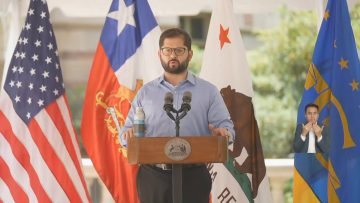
207	107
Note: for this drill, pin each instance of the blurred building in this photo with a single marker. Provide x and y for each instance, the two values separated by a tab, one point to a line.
77	24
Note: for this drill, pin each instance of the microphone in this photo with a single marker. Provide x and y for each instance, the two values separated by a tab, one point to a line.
185	106
168	102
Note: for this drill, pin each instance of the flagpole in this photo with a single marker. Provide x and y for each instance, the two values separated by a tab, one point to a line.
319	9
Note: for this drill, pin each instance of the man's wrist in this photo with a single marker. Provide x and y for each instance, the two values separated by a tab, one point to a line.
230	136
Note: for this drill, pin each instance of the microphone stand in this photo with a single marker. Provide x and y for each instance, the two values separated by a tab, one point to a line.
177	168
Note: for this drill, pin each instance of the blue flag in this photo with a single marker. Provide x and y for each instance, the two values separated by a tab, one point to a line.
332	82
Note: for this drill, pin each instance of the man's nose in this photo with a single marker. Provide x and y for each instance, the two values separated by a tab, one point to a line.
173	55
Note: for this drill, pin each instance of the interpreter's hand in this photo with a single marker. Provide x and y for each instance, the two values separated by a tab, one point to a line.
128	134
218	131
306	128
318	130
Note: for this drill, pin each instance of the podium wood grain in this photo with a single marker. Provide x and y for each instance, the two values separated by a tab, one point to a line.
204	149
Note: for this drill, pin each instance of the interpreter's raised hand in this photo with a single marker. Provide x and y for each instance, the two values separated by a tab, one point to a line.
128	134
218	131
317	129
306	128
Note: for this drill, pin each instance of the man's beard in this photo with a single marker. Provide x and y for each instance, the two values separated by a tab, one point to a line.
182	67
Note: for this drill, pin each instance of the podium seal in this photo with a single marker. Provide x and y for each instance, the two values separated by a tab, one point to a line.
177	149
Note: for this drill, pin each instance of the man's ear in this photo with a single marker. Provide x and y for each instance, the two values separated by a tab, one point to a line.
190	54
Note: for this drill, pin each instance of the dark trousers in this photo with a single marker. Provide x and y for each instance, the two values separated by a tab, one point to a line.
154	185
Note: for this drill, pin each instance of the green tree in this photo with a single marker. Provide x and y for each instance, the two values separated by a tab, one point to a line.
75	94
196	61
355	22
279	69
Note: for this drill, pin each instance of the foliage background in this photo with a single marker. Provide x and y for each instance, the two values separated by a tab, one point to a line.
279	68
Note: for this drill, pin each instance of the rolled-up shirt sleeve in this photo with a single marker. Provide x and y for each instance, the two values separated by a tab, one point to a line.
219	115
129	119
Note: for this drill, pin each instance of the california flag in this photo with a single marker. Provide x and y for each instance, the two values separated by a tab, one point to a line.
243	177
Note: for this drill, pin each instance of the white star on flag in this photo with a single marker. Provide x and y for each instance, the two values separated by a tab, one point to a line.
31	12
17	54
35	57
124	15
28	26
43	14
32	71
37	43
25	41
48	60
40	29
21	70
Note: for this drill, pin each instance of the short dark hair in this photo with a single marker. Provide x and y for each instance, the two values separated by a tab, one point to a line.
175	32
311	105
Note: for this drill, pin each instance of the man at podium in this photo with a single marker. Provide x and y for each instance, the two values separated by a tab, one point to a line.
208	116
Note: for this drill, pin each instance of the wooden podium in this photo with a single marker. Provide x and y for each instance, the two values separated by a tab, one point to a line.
152	150
177	151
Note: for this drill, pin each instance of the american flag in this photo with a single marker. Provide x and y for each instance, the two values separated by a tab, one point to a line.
39	153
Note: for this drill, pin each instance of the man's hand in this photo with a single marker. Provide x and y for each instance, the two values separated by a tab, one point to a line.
306	128
218	131
128	134
318	130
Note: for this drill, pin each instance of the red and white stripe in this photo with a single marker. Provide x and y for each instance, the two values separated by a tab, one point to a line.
5	193
40	162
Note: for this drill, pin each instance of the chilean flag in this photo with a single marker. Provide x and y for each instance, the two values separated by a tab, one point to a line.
126	57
